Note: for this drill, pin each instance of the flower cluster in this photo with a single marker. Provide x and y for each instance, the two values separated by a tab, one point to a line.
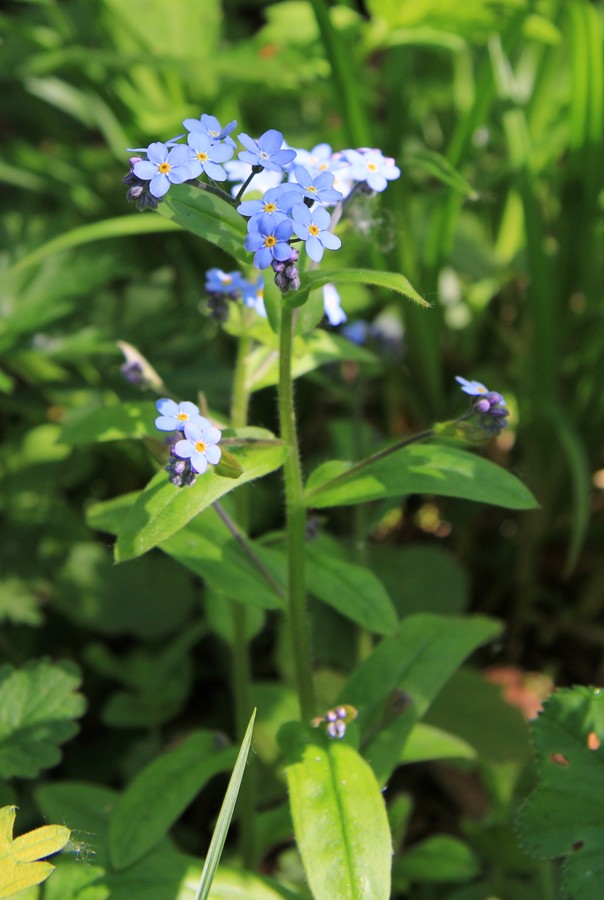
489	405
297	186
224	286
191	453
336	720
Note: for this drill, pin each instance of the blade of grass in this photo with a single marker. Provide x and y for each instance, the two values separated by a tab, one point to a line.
225	816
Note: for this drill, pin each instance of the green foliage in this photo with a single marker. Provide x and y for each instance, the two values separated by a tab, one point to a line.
560	818
333	797
20	865
39	703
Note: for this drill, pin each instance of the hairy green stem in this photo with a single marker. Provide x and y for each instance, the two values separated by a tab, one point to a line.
295	524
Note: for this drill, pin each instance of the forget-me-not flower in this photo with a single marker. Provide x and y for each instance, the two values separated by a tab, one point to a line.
267	151
206	156
164	166
199	445
490	405
269	241
174	416
332	305
372	167
317	187
276	203
311	227
219	282
211	126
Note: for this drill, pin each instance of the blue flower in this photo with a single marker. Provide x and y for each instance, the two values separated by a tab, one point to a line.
199	445
219	282
276	203
206	156
269	241
333	305
319	187
253	295
490	405
473	388
317	160
373	167
174	416
266	152
211	126
164	166
311	227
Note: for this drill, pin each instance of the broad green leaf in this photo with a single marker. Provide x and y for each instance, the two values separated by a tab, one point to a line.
421	578
417	469
563	817
161	792
352	590
439	858
392	281
339	817
39	703
226	814
111	423
19	857
395	686
19	603
425	742
123	226
310	352
209	217
162	509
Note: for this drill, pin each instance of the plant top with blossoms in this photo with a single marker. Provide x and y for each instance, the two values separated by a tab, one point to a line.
275	210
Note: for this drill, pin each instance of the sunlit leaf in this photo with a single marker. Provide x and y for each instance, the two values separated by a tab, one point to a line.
20	865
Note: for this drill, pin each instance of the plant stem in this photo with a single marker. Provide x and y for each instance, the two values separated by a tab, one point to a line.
295	524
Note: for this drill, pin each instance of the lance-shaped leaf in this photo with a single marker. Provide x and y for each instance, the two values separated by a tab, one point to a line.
161	792
20	865
111	423
209	217
392	281
439	167
426	468
339	816
563	817
162	509
394	687
39	703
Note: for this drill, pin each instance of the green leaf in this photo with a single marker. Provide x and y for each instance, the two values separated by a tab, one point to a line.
421	578
563	815
226	814
395	686
392	281
439	167
426	742
352	590
20	865
417	469
339	817
439	858
38	704
209	217
18	603
162	509
111	423
310	352
161	792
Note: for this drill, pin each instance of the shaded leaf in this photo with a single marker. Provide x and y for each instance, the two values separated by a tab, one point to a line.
209	217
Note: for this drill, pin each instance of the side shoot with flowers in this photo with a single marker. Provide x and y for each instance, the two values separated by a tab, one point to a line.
275	210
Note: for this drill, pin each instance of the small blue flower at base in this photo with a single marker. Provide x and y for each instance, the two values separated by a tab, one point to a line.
253	295
199	445
164	166
219	282
266	152
311	227
174	416
269	241
489	405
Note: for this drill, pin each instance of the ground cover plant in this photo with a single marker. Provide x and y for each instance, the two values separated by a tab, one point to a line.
302	460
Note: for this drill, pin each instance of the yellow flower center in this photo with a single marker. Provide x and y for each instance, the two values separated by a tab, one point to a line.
372	167
311	189
182	417
164	168
201	156
200	446
313	230
270	207
270	240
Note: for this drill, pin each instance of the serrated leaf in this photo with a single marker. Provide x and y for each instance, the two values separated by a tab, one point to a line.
161	792
162	509
392	281
417	469
19	857
563	816
339	817
209	217
38	703
394	687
